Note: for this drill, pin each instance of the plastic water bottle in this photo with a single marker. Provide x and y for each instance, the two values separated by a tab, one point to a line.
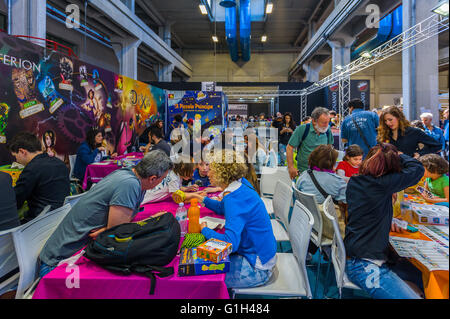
181	216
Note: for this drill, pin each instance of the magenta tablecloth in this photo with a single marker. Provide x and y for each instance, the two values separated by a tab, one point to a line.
98	283
95	172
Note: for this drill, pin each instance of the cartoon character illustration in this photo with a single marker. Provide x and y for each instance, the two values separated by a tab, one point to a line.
24	84
96	80
213	267
119	85
4	112
66	67
83	76
48	91
93	105
49	141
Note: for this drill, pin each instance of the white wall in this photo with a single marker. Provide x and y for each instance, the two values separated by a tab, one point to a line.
268	67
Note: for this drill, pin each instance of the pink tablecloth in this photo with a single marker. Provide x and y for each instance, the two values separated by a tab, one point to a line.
98	283
95	172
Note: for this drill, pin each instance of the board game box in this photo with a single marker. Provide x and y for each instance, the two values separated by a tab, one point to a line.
192	265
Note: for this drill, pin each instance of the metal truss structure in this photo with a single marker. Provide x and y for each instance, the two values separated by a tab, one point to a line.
422	31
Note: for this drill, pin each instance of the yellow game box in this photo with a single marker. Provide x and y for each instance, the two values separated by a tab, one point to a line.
214	250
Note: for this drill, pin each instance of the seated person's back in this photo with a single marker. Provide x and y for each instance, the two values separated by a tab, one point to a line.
8	207
44	180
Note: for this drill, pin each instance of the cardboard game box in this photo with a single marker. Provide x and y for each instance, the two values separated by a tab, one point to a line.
214	250
191	265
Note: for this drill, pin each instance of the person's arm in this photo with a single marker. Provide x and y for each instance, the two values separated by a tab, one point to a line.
344	133
86	155
341	173
294	142
25	186
233	227
437	199
411	173
431	145
214	205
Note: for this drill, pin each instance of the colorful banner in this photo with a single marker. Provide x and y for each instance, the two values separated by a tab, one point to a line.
359	89
208	107
59	98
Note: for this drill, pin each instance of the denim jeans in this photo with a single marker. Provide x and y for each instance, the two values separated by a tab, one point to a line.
378	282
243	275
45	269
282	154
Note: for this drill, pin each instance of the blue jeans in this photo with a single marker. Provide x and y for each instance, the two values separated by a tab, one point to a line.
44	269
282	154
243	275
378	282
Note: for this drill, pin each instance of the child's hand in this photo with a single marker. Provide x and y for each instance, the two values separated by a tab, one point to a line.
212	190
203	225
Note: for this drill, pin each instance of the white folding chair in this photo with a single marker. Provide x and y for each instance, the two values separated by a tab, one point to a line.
317	239
269	178
72	200
28	242
282	201
289	278
9	267
338	255
45	210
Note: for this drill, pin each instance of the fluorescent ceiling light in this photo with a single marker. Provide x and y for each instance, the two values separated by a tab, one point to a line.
264	38
441	8
215	39
203	9
269	8
366	54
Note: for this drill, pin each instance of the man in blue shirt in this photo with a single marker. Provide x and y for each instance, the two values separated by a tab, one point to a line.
446	133
433	131
360	127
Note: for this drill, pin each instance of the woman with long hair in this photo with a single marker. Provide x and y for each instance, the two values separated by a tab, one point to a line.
285	134
395	129
369	195
90	151
255	151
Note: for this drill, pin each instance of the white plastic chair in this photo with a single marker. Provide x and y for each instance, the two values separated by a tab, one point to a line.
9	266
269	178
28	242
289	278
338	255
282	201
317	239
72	200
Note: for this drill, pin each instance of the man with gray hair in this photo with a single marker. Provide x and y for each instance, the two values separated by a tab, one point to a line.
113	201
431	130
306	138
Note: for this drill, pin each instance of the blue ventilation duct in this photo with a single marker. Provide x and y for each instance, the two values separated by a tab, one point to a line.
389	27
244	26
231	32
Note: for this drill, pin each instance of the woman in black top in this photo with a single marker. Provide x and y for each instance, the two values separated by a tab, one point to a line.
394	128
285	133
369	197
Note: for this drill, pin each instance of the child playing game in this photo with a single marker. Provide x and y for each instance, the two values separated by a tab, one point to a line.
349	166
201	177
182	172
436	181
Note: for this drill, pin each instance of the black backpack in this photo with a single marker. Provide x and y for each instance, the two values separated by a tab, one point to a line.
143	247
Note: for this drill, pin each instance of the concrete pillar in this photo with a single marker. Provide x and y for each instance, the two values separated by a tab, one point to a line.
165	72
341	50
165	33
127	52
420	73
29	17
312	69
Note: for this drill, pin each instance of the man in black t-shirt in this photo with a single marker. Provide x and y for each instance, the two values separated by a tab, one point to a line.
8	209
44	181
157	141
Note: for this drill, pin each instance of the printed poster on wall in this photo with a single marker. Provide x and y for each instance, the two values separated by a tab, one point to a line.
59	98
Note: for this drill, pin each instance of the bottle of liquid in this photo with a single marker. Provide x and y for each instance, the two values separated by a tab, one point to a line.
194	217
181	216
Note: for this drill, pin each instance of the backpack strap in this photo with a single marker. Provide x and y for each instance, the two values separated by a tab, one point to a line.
305	134
319	188
361	133
151	272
